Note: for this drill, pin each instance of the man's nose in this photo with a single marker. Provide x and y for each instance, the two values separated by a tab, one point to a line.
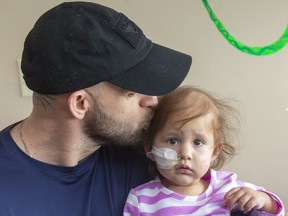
149	101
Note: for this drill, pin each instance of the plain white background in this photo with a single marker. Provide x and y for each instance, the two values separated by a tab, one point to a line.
259	83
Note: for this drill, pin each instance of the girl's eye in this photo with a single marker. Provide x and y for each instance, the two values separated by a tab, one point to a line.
172	141
198	142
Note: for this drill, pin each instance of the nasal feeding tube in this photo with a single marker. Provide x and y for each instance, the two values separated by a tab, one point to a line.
165	158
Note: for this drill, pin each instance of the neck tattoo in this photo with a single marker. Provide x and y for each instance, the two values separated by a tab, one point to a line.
22	140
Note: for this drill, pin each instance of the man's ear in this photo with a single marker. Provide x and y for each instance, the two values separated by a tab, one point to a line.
79	104
217	149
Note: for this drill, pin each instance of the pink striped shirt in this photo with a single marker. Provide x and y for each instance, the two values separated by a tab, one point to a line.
153	198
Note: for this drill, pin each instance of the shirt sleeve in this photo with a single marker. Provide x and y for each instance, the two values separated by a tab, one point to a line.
281	211
280	205
131	207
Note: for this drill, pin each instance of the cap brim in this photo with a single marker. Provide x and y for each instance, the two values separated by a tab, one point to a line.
161	71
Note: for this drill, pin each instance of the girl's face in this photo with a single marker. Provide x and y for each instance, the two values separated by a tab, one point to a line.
196	149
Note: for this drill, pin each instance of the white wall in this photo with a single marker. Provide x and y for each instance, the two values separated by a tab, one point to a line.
257	82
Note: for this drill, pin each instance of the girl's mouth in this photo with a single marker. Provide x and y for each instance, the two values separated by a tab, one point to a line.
184	169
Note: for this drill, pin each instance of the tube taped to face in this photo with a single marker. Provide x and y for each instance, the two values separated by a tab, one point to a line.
165	158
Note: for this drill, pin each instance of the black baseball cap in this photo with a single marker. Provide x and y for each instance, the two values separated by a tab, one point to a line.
76	45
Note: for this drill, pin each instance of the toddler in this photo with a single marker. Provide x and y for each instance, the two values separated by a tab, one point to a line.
189	139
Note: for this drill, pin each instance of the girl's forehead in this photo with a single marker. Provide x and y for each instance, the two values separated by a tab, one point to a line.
190	115
179	121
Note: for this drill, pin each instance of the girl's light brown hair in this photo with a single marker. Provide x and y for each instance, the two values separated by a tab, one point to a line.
195	102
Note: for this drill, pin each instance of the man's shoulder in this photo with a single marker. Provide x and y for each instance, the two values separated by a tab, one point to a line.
125	152
125	160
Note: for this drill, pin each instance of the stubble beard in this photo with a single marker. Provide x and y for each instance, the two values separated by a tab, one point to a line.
104	130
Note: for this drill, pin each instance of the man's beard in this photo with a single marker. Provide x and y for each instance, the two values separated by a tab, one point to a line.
103	129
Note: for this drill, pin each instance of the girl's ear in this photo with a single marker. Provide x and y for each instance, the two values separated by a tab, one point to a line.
150	156
217	150
78	104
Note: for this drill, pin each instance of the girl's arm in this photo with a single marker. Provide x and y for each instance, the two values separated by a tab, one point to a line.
247	199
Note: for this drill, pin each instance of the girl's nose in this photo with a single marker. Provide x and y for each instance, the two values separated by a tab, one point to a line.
185	152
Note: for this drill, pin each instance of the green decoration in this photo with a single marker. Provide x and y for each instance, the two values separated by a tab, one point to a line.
259	51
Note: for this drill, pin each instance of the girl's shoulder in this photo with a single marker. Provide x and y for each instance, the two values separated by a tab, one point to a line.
150	185
225	175
220	179
213	175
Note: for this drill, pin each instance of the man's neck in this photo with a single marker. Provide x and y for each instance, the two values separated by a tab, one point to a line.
53	142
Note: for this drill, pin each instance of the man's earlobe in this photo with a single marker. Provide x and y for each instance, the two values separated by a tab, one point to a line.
78	104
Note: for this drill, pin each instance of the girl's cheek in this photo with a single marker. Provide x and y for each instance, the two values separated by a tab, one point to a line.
204	167
204	162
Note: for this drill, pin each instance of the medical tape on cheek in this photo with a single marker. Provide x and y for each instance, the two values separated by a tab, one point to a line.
165	158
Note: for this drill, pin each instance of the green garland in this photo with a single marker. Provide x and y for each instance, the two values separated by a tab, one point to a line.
260	51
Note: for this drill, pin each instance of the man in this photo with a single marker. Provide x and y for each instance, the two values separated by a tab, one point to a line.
95	78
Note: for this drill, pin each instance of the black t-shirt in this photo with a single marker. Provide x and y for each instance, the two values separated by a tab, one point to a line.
97	187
